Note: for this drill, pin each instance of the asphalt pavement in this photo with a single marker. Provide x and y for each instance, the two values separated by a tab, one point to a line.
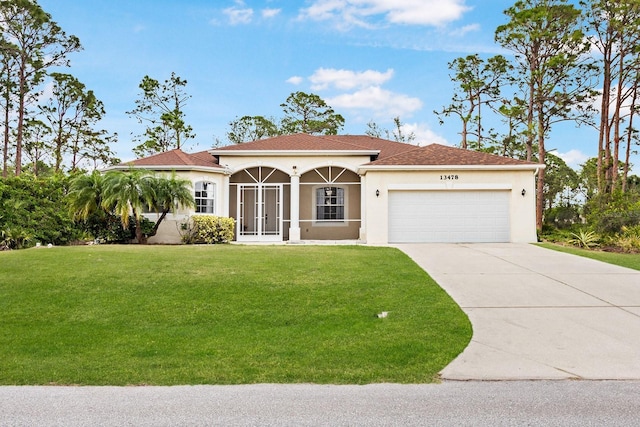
520	403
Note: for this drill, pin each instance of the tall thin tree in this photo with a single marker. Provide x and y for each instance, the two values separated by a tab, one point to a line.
35	43
161	107
550	50
614	29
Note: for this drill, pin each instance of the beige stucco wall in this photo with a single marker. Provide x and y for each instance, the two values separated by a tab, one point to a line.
522	209
286	163
309	181
374	228
169	231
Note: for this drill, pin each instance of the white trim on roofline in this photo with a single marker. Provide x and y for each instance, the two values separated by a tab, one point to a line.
448	186
294	153
176	168
533	167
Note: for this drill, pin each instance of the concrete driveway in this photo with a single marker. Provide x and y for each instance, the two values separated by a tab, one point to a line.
537	313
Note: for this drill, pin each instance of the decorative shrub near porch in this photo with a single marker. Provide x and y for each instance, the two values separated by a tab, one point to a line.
208	229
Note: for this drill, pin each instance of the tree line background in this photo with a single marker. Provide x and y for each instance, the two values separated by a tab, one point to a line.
569	62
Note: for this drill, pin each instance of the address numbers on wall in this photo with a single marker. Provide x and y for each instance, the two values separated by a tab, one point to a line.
448	177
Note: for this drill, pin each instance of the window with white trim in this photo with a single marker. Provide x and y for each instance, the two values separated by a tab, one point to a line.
330	204
205	197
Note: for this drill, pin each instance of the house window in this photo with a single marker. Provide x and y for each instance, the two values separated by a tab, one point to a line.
205	199
330	204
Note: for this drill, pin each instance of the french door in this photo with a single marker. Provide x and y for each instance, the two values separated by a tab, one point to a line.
259	213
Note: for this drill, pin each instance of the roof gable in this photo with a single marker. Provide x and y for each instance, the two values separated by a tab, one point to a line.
442	155
387	153
356	144
296	142
175	158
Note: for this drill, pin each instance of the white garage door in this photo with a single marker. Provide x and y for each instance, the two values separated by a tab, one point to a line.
448	216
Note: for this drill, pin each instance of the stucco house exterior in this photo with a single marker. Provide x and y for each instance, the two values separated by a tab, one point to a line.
303	187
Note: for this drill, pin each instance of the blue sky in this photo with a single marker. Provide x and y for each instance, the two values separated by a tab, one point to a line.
369	59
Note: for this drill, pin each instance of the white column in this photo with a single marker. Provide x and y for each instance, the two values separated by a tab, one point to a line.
363	209
223	206
294	215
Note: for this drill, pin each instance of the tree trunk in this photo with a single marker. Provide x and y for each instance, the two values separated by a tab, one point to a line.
479	125
5	156
627	157
540	182
157	224
616	125
20	125
604	117
463	144
139	236
529	142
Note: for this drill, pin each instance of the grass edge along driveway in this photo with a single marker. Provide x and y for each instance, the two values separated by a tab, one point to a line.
621	259
224	314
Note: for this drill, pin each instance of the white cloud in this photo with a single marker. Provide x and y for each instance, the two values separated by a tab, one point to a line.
573	157
382	102
295	80
46	93
270	13
239	14
460	32
403	12
424	135
324	78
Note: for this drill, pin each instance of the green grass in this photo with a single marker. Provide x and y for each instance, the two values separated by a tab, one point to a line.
621	259
223	314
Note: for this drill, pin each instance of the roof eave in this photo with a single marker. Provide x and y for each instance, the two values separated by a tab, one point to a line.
188	168
532	167
294	153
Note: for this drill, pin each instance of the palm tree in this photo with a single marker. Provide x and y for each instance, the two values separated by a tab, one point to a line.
171	193
127	193
85	195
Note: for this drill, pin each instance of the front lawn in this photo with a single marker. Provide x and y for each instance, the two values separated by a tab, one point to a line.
621	259
223	314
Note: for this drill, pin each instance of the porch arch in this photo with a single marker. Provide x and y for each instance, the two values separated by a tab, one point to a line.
259	200
330	203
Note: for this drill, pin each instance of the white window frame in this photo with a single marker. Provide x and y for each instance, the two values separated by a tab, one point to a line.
342	222
210	196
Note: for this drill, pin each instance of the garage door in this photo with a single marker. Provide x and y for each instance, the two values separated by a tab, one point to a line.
448	216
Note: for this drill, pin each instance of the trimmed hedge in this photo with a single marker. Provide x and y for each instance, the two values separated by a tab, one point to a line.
209	229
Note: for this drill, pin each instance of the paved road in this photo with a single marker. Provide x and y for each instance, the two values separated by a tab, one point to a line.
538	313
557	403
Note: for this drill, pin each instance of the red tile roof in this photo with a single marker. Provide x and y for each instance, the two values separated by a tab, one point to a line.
297	142
387	148
389	153
176	157
442	155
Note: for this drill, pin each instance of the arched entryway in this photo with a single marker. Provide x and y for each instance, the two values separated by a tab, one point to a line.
330	204
259	201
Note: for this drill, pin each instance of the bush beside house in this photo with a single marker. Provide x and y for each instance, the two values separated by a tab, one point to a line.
208	229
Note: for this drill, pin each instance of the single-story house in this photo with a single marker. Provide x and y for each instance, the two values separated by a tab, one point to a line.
303	187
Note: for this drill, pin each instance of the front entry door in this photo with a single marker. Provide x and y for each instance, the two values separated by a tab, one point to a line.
259	212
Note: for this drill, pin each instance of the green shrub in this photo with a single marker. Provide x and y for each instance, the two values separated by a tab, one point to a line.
610	213
584	239
107	228
628	240
550	233
34	210
562	217
14	238
208	229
